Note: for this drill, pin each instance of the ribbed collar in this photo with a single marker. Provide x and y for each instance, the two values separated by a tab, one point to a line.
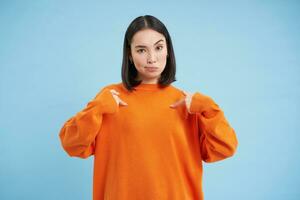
149	86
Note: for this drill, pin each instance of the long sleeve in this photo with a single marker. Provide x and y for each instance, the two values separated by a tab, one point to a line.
217	138
78	134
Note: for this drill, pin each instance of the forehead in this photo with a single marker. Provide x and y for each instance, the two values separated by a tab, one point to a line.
147	37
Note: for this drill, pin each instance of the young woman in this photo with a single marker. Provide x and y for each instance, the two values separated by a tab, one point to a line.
148	137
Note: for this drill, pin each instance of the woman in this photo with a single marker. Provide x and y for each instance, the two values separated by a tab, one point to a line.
148	137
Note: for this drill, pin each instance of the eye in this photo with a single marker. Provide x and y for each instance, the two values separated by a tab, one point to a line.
139	51
159	47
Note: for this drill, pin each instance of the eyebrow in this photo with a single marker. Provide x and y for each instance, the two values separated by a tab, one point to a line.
145	46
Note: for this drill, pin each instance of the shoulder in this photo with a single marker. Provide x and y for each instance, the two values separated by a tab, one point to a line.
176	90
105	89
110	86
116	86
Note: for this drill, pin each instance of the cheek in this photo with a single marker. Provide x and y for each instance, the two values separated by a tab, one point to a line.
139	61
163	55
162	59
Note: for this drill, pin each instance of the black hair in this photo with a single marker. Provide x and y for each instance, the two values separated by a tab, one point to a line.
129	72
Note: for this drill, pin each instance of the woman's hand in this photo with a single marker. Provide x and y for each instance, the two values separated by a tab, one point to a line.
117	98
186	101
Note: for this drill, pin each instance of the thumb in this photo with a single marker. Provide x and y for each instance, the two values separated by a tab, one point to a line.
177	103
122	102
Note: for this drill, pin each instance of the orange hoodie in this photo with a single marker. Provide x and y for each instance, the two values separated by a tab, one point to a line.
147	150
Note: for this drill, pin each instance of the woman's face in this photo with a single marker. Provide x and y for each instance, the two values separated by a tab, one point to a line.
149	55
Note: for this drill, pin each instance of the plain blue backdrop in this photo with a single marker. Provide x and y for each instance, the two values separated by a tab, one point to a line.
56	55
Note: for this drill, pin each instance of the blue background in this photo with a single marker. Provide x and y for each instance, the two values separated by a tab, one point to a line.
56	55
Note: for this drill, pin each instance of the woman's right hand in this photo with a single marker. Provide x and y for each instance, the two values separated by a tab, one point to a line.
117	98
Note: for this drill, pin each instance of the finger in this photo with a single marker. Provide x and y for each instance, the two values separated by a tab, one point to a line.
122	102
177	103
115	98
114	92
186	93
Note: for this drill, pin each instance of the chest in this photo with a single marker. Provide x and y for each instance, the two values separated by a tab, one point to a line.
148	116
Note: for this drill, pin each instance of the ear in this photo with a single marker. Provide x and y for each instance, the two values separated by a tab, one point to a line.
129	57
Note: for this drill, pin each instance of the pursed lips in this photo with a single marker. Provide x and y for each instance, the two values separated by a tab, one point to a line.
151	67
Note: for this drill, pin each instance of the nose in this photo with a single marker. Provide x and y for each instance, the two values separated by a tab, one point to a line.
151	58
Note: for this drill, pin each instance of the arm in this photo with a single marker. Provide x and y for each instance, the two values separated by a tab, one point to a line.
217	138
78	134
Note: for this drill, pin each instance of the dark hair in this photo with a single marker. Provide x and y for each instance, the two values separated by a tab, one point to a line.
129	72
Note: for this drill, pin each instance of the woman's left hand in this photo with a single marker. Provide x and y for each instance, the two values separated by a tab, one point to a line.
186	101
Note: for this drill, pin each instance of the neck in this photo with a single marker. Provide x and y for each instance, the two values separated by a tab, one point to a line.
149	81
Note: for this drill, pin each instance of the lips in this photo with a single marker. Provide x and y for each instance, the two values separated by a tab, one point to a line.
151	67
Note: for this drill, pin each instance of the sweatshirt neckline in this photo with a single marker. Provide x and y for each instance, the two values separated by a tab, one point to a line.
148	86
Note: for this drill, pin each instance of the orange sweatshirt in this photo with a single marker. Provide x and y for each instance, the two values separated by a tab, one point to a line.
147	150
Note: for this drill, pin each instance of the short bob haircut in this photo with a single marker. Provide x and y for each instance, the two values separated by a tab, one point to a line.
129	72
